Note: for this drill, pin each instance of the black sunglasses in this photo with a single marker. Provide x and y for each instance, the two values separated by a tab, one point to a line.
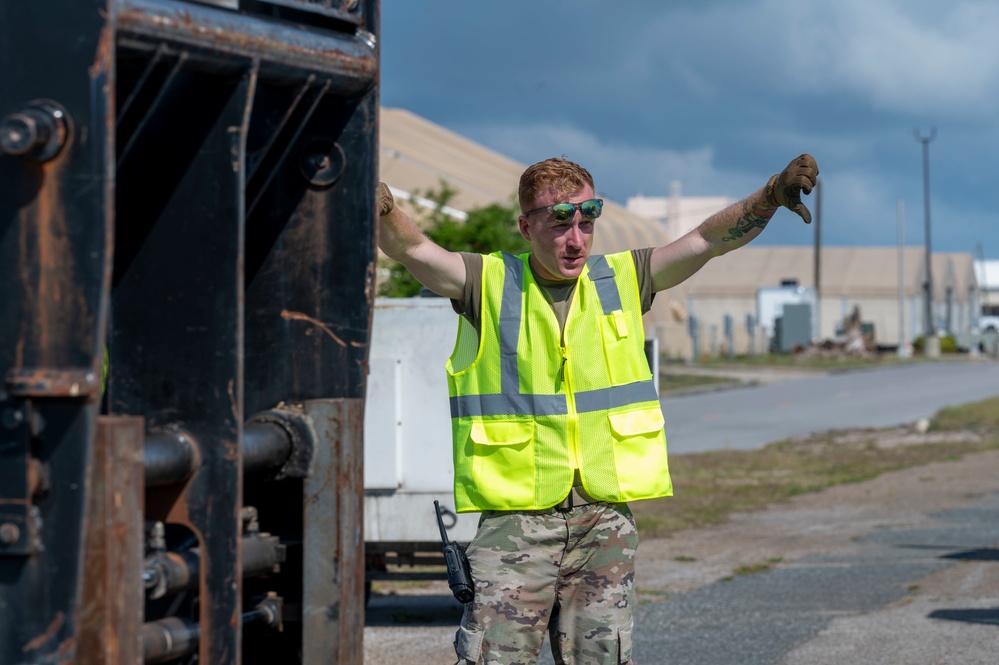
563	212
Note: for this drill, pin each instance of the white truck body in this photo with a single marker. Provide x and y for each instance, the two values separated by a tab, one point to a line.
407	425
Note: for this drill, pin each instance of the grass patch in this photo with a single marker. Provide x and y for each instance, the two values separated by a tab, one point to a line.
669	382
967	416
805	361
709	487
754	568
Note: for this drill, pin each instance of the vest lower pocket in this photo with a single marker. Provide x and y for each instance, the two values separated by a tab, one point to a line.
640	452
503	463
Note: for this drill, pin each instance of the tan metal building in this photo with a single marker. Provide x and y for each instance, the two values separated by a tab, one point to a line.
866	278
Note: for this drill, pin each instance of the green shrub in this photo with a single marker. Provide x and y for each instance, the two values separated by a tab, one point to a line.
947	344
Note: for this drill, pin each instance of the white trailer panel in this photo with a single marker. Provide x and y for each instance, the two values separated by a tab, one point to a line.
407	423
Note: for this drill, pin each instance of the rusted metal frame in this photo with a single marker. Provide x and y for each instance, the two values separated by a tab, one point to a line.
41	382
151	64
223	41
308	321
251	206
309	299
46	587
164	90
18	529
52	295
265	150
333	547
112	599
324	7
222	561
183	329
55	226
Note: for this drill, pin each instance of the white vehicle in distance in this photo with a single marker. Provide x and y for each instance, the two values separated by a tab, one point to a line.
988	323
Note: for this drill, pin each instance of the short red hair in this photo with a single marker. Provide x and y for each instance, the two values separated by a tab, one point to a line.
566	177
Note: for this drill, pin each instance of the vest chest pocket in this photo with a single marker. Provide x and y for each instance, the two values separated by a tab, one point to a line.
640	452
623	352
503	462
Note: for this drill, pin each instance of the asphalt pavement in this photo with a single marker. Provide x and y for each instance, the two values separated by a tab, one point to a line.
926	594
799	403
870	605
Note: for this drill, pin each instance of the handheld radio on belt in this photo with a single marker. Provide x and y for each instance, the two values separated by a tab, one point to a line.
459	574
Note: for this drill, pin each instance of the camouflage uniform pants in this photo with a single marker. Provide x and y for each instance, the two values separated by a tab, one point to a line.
570	572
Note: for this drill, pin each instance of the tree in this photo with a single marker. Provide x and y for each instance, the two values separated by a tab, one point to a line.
488	229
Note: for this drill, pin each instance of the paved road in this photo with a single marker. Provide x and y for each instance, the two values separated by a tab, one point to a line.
753	416
772	617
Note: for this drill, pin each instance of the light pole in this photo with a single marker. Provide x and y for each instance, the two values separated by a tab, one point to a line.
931	346
903	341
818	260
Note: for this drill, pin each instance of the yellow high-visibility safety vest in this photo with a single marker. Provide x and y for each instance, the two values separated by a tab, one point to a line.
528	410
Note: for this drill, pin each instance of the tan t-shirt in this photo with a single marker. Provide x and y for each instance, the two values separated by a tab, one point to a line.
559	294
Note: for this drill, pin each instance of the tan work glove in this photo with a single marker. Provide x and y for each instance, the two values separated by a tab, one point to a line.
785	188
386	203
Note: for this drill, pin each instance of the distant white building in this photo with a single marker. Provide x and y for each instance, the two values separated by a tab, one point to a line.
987	276
677	213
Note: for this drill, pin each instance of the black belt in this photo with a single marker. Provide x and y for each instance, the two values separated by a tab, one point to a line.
577	497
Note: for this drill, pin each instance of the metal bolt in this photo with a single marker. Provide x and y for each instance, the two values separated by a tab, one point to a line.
18	133
323	163
12	418
38	131
9	533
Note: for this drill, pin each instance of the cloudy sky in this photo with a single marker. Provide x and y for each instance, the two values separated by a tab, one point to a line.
720	94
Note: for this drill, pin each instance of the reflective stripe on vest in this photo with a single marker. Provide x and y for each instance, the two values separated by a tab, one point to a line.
552	405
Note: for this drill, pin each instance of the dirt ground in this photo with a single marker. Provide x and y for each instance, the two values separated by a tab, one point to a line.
823	522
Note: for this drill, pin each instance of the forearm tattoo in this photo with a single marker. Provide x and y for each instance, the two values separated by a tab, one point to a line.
753	218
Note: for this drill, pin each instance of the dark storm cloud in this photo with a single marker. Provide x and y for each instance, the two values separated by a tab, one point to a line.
719	95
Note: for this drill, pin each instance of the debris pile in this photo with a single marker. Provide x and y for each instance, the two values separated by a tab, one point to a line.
855	341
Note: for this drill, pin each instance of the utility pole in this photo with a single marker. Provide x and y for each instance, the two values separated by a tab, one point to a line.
818	260
931	345
983	287
903	342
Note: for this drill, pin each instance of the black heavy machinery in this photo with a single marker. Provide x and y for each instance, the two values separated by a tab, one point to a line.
187	209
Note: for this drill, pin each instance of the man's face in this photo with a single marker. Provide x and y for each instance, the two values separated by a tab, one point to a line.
559	250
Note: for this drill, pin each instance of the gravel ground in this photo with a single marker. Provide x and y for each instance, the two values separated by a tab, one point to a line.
907	624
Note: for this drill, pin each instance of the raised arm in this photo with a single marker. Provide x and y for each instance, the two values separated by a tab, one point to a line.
734	226
436	268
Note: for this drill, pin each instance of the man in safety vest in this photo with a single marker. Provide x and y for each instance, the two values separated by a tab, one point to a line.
555	418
